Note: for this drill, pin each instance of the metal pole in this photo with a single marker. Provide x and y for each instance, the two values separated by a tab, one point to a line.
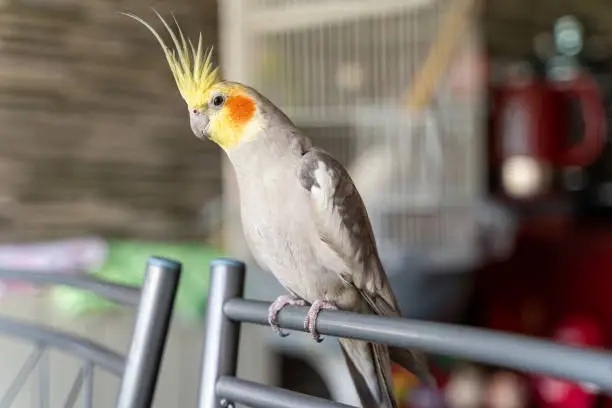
518	352
220	351
22	376
262	396
121	294
88	385
81	347
150	332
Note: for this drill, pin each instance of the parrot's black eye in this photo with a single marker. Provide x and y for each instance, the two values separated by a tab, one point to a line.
218	101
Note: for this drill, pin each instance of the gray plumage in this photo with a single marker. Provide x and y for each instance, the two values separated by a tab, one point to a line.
305	222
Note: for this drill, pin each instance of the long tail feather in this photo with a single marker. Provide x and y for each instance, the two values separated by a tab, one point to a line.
415	362
370	368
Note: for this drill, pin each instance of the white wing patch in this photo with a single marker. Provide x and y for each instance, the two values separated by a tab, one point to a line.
323	190
329	220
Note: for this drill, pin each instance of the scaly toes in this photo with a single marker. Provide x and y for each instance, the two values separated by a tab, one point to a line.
310	324
273	321
277	306
277	329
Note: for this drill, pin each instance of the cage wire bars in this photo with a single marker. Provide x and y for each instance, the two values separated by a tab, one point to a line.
226	310
138	370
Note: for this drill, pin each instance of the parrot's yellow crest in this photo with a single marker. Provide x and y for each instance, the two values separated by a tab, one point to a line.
191	66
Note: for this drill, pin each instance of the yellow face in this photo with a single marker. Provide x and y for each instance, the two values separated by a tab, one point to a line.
224	112
229	116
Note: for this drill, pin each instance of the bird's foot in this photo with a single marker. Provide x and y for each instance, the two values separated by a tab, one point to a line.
277	306
310	324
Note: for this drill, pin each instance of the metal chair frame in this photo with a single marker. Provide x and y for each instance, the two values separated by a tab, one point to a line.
138	370
219	387
226	311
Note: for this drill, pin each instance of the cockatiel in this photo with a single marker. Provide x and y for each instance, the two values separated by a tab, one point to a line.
303	219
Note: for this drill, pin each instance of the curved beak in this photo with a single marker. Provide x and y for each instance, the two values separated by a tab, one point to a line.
199	122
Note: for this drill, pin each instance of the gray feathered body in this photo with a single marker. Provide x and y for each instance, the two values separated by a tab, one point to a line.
305	222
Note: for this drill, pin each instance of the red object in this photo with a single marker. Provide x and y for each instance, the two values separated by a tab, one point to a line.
549	277
531	120
580	331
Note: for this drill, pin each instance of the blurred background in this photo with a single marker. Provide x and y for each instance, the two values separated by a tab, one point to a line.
477	132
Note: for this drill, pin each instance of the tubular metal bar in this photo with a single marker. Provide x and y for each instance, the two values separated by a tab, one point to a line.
219	355
44	373
260	396
77	385
150	331
513	351
88	372
121	294
76	345
22	376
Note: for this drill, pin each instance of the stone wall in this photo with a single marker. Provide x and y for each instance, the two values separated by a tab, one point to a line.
94	137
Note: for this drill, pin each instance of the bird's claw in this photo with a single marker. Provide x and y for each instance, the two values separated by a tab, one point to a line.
310	324
277	306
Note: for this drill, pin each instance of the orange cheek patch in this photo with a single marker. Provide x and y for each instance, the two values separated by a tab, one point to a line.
240	108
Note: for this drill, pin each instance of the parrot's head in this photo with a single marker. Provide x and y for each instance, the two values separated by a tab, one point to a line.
225	112
229	115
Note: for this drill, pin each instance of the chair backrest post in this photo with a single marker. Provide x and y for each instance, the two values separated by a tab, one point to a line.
220	351
150	332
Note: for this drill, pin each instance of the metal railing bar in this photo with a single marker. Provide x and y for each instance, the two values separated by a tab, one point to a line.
88	385
261	396
151	329
486	346
22	376
121	294
77	385
76	345
43	381
221	337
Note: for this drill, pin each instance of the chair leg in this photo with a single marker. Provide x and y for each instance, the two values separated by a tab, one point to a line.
220	351
150	331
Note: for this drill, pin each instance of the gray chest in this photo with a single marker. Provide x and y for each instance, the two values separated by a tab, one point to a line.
275	218
282	236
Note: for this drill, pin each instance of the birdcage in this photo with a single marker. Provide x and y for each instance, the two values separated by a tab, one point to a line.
369	82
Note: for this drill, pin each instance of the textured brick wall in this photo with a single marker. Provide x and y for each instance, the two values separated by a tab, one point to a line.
94	137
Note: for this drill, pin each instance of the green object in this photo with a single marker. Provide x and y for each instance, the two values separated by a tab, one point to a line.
126	263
